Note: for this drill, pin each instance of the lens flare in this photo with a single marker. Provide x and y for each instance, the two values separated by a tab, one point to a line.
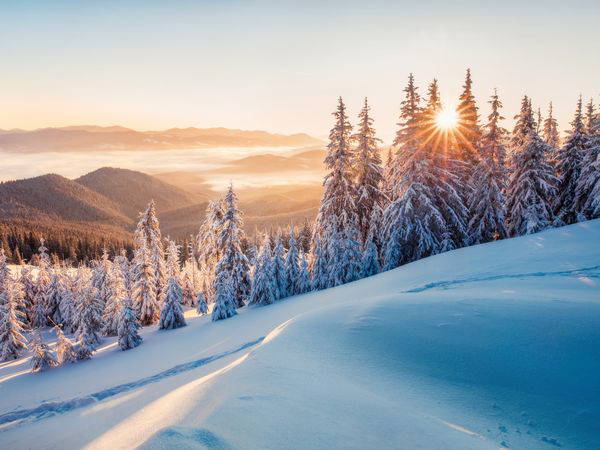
447	119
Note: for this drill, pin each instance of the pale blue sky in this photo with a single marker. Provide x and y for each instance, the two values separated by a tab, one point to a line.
279	65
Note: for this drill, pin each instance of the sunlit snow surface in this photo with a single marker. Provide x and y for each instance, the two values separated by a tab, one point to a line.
492	346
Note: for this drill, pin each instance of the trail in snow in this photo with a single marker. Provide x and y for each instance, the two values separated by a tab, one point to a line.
48	409
590	272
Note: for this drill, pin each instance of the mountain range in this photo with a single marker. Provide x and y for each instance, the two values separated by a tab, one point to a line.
96	138
107	201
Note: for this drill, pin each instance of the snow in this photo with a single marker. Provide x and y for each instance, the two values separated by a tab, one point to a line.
496	345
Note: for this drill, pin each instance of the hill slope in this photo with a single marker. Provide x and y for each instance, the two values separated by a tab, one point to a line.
484	347
132	190
57	198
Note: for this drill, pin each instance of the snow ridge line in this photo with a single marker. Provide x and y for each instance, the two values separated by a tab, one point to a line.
48	409
588	271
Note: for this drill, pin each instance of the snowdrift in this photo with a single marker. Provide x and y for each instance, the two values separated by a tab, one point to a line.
491	346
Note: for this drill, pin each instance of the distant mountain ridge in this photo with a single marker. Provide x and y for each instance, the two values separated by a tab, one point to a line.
96	138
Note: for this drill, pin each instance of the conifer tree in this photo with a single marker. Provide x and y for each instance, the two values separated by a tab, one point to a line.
145	302
149	229
370	261
90	323
201	306
469	131
233	261
29	294
53	297
369	173
304	283
123	264
42	288
278	270
42	357
207	248
486	202
12	340
568	167
171	314
550	131
65	350
4	272
532	183
264	289
225	301
67	302
292	266
305	236
128	326
337	217
112	308
587	197
319	266
590	116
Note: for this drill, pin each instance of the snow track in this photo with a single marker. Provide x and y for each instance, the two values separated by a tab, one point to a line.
589	272
48	409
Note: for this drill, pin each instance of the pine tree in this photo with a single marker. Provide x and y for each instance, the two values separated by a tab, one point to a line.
469	132
112	308
337	217
590	117
428	215
530	189
65	350
568	167
305	236
370	261
233	261
292	267
407	136
67	302
264	287
524	125
319	266
128	326
201	306
123	264
225	301
29	294
90	323
587	197
550	131
207	248
144	286
369	173
42	357
278	270
148	228
4	271
171	314
486	202
304	282
53	297
12	340
42	288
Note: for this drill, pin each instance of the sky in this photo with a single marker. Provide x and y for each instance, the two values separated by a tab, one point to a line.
280	65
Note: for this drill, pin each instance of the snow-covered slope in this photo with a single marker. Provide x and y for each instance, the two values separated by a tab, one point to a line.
491	346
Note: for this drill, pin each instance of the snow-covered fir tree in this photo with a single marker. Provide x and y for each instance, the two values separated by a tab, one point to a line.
171	314
102	280
550	130
145	301
42	288
337	220
292	265
201	305
368	171
129	325
4	271
148	228
65	350
233	260
42	357
587	197
305	236
428	214
568	166
370	260
319	268
54	296
590	117
112	308
304	282
67	302
264	286
531	187
123	264
28	285
278	269
190	280
207	248
225	302
89	321
486	201
407	136
12	341
469	132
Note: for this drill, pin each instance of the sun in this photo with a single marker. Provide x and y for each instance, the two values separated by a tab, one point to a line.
446	119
